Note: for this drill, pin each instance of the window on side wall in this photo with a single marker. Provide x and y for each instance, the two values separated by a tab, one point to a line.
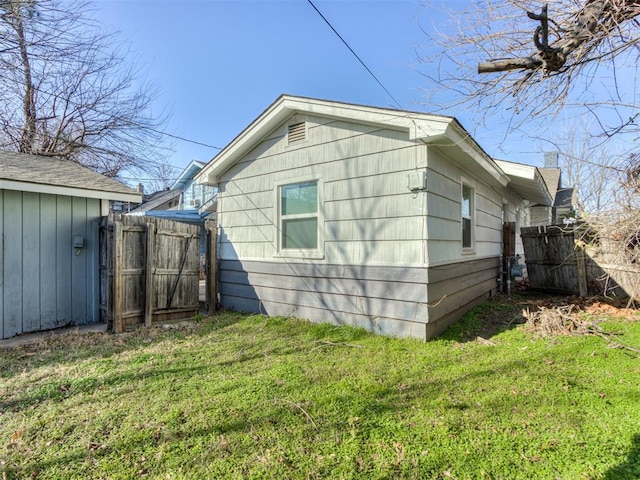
468	209
299	233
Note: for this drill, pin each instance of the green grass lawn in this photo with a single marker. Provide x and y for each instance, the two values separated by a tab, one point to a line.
252	397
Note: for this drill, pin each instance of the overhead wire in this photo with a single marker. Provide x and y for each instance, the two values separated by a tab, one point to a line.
353	52
373	75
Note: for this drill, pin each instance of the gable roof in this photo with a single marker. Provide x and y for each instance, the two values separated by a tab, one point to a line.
528	182
35	173
431	129
187	174
551	177
566	197
156	200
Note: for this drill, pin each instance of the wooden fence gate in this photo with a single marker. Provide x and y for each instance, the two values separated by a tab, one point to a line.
149	271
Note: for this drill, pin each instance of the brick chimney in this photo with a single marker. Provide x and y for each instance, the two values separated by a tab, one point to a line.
550	159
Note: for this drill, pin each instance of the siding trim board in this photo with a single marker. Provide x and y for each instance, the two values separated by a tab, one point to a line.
383	299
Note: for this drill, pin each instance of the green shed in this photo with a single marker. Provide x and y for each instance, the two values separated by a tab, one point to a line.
50	211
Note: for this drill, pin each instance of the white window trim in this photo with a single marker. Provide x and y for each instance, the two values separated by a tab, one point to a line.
470	184
316	253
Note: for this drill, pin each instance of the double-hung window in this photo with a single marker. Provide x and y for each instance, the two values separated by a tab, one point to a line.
298	218
468	208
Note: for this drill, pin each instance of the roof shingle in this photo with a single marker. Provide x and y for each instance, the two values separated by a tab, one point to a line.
50	171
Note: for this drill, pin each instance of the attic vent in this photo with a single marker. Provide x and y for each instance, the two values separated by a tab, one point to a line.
297	132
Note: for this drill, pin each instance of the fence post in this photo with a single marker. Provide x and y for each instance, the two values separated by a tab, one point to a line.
118	239
149	274
212	273
582	270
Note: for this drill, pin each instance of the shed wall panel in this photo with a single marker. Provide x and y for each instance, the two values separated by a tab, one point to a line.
48	262
31	285
1	263
12	273
79	261
63	255
44	284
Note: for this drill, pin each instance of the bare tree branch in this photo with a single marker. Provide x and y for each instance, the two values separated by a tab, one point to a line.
586	28
81	98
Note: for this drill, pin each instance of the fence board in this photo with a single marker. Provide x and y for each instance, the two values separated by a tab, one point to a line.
118	237
148	305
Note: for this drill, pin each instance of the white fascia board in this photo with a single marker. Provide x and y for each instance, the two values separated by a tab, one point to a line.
69	191
528	177
456	135
475	151
418	125
517	169
543	186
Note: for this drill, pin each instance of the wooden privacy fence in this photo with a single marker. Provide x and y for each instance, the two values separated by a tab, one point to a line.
554	263
559	260
150	271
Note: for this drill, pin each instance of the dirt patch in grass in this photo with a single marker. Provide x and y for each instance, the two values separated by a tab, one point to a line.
543	314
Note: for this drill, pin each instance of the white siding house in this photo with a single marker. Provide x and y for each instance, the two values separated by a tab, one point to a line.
349	214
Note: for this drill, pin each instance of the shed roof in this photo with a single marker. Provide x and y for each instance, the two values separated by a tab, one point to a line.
437	130
36	173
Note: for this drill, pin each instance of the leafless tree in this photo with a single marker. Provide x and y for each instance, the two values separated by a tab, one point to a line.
534	64
596	170
163	176
529	58
67	90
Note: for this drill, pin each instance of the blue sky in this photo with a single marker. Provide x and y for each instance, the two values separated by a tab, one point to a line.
218	64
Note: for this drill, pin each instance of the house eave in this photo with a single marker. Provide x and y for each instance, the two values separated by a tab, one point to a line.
477	160
527	182
69	191
419	126
187	174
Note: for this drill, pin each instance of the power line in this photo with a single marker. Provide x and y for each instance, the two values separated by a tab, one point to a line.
180	138
356	55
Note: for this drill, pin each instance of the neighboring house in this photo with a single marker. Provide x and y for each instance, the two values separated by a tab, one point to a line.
49	217
530	184
373	217
195	196
185	202
562	199
162	200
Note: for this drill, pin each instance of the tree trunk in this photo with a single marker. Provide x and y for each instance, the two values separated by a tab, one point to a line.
28	99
